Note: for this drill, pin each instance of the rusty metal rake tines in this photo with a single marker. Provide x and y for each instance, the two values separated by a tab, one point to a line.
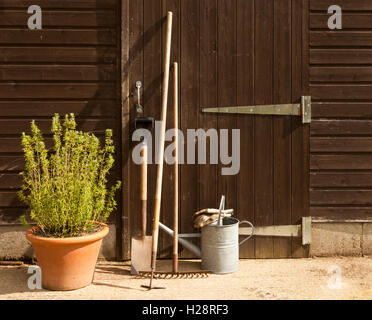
176	275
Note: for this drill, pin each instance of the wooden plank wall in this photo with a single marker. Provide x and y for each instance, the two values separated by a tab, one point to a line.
229	52
341	131
71	65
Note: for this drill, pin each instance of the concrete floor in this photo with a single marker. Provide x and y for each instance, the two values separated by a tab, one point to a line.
257	279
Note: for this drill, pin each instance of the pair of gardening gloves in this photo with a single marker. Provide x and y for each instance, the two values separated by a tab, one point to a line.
205	217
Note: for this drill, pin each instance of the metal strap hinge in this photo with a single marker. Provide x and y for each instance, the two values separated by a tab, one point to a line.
302	109
302	230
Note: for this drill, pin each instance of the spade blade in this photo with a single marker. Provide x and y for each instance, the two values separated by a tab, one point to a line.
141	254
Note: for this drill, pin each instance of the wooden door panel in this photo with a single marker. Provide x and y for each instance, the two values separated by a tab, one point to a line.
245	96
230	52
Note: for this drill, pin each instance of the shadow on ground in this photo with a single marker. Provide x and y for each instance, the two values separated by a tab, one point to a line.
14	280
109	272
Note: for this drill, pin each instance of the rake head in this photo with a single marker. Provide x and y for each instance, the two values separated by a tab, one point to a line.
175	275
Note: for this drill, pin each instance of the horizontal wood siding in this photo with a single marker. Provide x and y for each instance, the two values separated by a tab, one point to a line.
71	65
58	4
340	74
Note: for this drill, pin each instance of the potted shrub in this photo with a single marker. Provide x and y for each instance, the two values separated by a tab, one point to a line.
66	190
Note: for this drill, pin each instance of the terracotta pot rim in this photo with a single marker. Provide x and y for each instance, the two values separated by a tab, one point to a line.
70	240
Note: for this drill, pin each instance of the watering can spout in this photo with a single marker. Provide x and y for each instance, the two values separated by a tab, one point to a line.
190	246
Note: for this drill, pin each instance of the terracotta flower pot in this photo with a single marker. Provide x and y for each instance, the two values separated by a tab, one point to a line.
67	263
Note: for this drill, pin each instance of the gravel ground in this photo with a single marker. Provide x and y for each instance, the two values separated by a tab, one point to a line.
314	278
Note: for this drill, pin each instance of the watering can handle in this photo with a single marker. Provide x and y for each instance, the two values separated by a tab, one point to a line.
250	236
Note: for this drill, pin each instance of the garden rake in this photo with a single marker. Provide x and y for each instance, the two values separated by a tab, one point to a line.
175	273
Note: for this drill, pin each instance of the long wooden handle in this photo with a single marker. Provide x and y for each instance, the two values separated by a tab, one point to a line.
159	176
144	188
175	213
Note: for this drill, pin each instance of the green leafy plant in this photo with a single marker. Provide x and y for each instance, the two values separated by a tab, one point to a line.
66	189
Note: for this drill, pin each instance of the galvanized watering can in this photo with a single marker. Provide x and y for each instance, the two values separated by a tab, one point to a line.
219	244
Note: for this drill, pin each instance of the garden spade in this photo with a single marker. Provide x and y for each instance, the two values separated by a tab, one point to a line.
141	245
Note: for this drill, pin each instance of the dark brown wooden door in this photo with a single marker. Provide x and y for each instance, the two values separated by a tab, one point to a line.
230	52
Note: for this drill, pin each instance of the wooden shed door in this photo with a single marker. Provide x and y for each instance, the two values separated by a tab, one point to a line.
230	52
